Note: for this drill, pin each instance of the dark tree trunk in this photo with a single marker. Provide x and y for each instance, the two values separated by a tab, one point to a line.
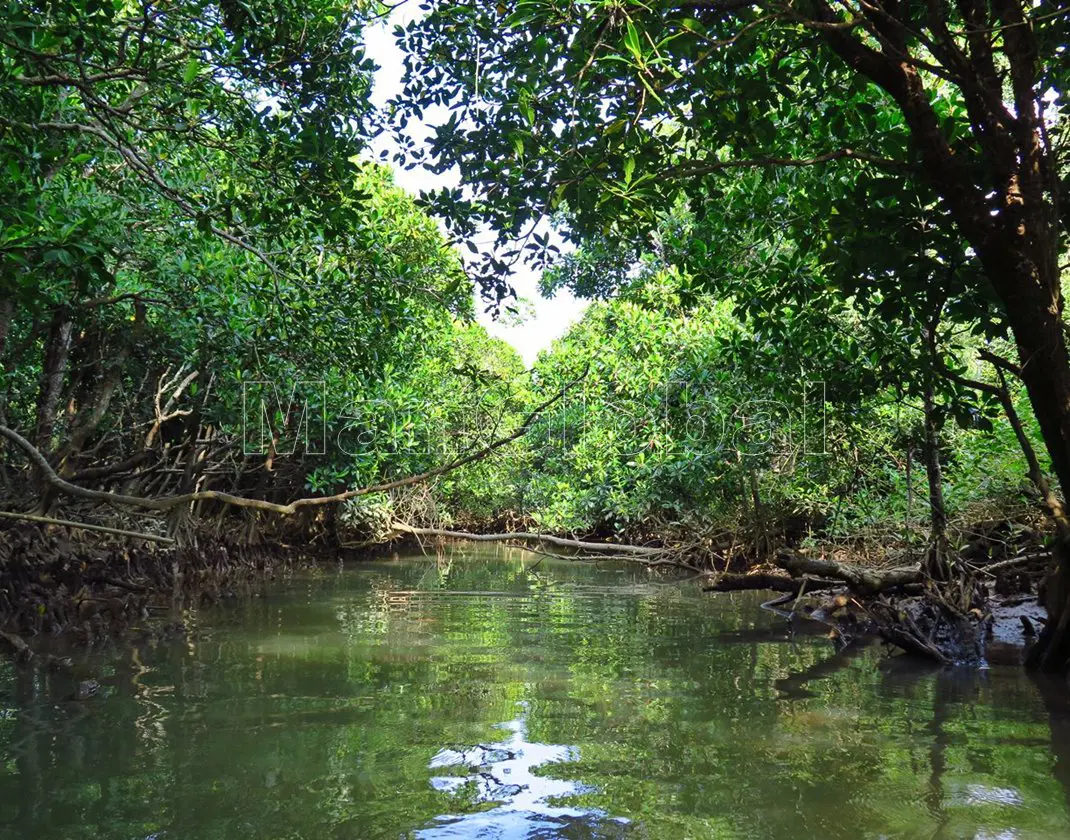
95	406
1002	197
90	415
53	373
762	542
1036	320
1034	307
7	310
936	564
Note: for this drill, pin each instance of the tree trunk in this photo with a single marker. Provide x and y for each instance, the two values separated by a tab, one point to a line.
7	310
90	415
1036	473
1011	221
53	372
95	407
1035	311
762	542
1045	370
936	564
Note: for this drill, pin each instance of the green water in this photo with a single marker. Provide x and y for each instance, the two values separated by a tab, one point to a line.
497	695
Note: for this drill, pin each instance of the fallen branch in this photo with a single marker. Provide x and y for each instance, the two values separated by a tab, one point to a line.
85	526
899	628
1020	560
604	558
96	473
764	580
862	581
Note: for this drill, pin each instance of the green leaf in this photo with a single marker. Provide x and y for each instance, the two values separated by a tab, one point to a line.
632	42
191	70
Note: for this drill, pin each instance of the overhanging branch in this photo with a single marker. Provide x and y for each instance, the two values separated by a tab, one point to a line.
706	167
170	502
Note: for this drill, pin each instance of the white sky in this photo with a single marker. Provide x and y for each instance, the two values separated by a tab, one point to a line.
551	317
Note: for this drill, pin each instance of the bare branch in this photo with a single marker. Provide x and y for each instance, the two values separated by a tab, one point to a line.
86	526
528	537
167	503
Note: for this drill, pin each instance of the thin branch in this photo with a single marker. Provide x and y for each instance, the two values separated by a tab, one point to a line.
85	526
1000	362
706	167
167	503
528	537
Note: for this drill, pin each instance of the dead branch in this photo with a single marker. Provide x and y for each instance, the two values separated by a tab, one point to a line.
610	549
85	526
764	580
1020	560
860	580
164	414
169	502
96	473
899	628
604	558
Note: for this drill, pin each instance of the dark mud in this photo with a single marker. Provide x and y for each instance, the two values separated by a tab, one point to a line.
57	588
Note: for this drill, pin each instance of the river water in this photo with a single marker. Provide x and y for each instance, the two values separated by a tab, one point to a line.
497	694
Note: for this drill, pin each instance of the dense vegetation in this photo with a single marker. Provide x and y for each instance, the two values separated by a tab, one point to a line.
906	160
189	233
825	245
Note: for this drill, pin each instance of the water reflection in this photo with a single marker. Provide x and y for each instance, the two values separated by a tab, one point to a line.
368	705
504	796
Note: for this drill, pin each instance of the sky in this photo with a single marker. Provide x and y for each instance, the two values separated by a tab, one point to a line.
551	317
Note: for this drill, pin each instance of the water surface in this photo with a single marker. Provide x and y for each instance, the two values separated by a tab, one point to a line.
496	694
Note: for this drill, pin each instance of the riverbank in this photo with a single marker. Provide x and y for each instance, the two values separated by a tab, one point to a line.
87	586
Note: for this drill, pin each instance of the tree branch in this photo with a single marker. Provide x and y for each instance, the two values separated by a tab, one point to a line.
85	526
863	581
528	537
706	167
167	503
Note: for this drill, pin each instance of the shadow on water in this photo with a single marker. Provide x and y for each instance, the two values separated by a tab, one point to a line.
1055	693
951	690
793	686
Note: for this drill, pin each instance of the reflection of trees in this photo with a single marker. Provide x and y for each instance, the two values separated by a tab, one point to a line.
793	686
316	713
1056	699
69	763
849	755
939	743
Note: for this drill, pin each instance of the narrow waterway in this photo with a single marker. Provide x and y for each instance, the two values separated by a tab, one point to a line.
497	694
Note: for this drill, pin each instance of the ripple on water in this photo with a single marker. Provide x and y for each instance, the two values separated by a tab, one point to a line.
504	797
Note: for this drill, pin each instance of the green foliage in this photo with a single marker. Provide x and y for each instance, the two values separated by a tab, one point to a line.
840	188
185	203
689	417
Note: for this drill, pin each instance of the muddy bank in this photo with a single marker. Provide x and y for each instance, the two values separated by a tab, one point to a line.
975	614
86	589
